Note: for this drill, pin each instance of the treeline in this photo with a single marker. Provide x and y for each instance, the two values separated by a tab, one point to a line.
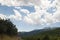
44	37
7	27
53	34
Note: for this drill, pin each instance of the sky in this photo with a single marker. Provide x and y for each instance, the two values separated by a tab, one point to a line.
29	15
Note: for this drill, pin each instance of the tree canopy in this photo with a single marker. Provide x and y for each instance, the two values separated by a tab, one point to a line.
7	27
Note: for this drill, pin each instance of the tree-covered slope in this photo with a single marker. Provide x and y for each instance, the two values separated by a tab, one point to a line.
8	30
44	34
7	27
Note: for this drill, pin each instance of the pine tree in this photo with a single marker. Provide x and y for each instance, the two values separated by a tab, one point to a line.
7	27
46	37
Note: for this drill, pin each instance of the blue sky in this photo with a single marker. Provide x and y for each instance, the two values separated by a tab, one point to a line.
29	15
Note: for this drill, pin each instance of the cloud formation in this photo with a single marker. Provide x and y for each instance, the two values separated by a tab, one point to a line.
25	11
40	16
16	16
25	2
2	16
15	2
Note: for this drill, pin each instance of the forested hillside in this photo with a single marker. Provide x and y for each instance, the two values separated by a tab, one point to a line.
44	34
8	30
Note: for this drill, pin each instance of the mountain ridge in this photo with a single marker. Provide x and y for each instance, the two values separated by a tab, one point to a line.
36	31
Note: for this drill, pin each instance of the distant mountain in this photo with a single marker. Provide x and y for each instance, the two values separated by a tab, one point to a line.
22	34
40	33
34	32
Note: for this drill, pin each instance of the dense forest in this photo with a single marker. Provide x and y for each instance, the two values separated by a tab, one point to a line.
7	27
44	34
8	30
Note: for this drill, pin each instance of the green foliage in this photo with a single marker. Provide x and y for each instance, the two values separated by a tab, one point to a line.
53	34
38	39
7	27
46	37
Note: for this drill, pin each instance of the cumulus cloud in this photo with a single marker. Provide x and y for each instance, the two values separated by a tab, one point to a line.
24	2
20	2
57	17
17	7
34	17
2	16
48	18
15	2
17	15
57	14
25	11
40	16
28	20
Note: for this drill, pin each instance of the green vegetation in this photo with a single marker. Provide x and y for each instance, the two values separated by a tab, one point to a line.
7	27
8	30
48	34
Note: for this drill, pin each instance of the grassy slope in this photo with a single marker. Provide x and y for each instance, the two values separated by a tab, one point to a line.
5	37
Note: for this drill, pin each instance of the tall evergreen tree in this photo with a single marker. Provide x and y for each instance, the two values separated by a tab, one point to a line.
7	27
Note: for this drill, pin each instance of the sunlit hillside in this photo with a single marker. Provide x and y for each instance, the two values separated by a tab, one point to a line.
6	37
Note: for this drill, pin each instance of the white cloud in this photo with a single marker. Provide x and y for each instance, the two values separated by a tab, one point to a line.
28	20
45	3
35	17
57	17
17	7
25	11
20	2
2	16
17	15
57	14
48	18
15	2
